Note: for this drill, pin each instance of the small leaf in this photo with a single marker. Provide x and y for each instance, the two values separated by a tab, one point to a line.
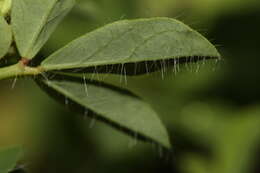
112	105
5	37
1	4
8	158
5	7
155	40
33	21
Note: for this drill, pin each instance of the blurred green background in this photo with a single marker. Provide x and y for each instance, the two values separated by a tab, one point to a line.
211	109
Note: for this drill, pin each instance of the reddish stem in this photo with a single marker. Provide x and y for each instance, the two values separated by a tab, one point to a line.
25	61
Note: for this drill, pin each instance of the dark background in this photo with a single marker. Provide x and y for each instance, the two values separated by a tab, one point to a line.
211	109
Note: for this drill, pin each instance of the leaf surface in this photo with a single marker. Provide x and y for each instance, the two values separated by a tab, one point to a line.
131	42
33	21
111	105
8	158
5	37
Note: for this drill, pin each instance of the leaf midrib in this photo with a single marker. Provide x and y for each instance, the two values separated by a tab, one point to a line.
102	63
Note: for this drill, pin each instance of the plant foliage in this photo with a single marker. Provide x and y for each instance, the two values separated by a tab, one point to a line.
126	47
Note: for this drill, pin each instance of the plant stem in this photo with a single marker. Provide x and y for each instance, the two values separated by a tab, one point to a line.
18	70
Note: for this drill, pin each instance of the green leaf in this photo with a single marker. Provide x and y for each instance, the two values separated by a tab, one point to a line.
112	105
1	4
8	158
33	21
5	37
5	7
130	42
